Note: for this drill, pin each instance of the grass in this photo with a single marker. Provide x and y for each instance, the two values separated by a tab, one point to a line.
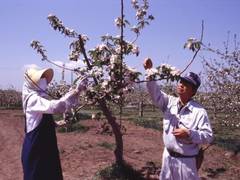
77	127
225	137
11	107
125	172
152	118
148	123
107	145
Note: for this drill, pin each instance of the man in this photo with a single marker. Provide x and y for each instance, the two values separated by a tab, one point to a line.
185	127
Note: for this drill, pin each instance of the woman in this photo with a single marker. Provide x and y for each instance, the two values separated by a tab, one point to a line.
40	155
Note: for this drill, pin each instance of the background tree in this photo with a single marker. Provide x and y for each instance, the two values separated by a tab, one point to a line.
10	98
222	70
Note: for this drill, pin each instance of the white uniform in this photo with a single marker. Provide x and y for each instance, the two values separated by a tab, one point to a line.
193	117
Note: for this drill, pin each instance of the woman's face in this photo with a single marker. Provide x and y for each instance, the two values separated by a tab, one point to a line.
42	83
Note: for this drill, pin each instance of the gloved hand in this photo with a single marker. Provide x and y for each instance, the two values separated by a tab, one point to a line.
82	84
60	123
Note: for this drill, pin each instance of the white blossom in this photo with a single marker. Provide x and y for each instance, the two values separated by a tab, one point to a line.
152	71
135	50
140	13
175	72
50	16
117	97
104	84
115	59
96	71
166	66
192	39
134	1
102	47
133	70
84	37
118	21
118	49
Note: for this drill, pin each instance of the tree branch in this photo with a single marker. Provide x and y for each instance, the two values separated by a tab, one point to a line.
195	54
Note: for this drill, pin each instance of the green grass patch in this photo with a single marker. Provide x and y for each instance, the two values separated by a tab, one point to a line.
77	127
57	117
227	137
148	123
11	107
152	118
83	116
124	172
79	116
107	145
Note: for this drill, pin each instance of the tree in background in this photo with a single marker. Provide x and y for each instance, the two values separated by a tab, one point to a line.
223	82
10	98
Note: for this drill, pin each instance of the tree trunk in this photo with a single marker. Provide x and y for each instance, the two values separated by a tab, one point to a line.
118	152
140	109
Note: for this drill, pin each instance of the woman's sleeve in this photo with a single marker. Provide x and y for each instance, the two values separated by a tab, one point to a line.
158	97
40	104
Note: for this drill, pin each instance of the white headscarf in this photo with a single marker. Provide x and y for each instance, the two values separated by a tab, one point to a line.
29	89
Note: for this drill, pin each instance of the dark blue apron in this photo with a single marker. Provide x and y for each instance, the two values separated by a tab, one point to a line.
40	155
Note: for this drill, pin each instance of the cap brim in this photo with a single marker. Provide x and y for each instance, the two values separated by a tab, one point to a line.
188	81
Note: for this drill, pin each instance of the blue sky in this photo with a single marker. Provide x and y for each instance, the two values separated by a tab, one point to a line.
175	21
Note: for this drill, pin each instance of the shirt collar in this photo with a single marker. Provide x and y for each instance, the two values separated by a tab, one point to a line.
189	105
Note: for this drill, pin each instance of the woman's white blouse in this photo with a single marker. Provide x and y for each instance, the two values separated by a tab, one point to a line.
37	106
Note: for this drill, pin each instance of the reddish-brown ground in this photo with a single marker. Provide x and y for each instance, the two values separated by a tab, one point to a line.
82	154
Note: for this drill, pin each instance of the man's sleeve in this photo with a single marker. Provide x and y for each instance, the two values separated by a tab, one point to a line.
203	134
158	97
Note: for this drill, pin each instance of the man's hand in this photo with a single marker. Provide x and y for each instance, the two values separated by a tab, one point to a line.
147	64
181	133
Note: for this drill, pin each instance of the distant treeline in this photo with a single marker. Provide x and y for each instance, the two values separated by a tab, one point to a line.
10	99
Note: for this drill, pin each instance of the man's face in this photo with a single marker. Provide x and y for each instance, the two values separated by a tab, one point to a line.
185	89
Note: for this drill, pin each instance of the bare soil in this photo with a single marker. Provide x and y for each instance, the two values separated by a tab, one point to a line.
83	154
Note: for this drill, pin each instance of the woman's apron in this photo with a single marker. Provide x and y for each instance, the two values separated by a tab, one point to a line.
40	155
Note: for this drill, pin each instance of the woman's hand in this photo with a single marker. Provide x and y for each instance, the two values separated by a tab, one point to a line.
82	85
60	123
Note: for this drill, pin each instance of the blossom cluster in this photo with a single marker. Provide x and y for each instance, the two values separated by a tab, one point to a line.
114	77
193	44
141	15
164	71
